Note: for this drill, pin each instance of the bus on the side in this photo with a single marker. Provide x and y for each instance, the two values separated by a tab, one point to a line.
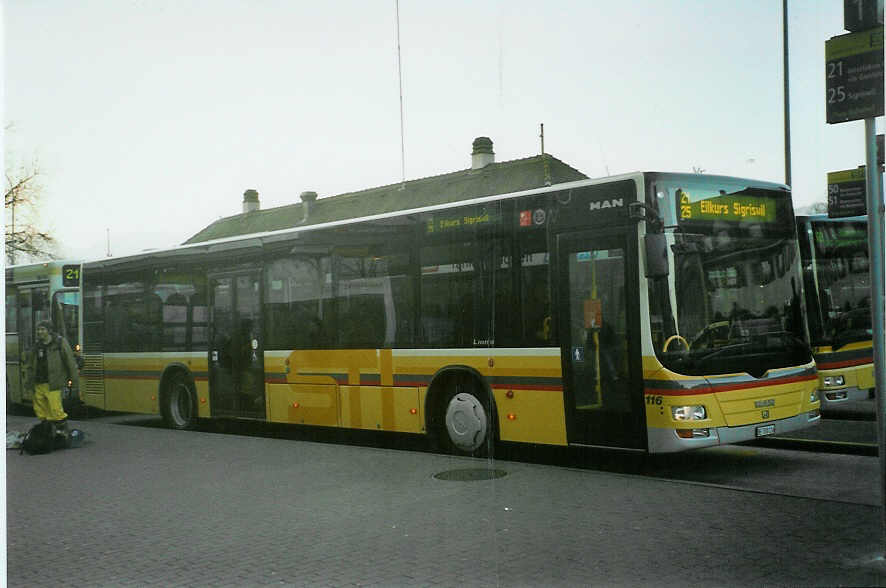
36	292
646	312
836	271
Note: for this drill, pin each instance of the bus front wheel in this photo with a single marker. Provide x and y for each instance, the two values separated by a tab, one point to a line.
180	403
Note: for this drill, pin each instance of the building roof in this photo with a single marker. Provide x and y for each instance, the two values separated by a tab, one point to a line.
493	178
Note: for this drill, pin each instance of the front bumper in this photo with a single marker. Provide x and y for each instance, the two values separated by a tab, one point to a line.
667	441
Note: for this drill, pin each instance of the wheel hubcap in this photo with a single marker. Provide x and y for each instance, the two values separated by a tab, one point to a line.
181	404
466	421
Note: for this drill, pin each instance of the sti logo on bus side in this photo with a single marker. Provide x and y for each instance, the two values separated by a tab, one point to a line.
601	204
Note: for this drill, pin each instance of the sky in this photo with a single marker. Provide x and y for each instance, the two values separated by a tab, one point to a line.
148	119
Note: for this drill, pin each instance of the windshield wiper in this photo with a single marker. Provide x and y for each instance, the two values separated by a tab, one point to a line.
720	350
755	343
851	336
789	336
851	326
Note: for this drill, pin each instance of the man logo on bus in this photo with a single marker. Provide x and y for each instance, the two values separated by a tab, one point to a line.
538	217
613	203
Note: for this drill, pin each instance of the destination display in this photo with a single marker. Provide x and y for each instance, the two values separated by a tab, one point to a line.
460	220
725	207
70	275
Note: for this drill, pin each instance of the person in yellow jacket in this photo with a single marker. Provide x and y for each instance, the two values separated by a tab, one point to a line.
48	368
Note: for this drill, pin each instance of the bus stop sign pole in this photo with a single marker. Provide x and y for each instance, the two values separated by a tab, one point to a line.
849	95
878	324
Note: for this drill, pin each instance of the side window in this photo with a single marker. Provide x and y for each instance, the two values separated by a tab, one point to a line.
447	294
198	323
298	302
495	302
127	321
11	311
25	326
467	280
535	291
182	310
93	314
374	300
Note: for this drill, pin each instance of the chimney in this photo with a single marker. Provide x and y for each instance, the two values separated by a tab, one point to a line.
482	155
250	201
307	202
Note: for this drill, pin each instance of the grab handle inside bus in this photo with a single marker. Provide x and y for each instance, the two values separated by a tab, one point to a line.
656	246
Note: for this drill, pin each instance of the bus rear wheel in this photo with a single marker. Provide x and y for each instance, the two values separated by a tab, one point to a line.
180	403
466	425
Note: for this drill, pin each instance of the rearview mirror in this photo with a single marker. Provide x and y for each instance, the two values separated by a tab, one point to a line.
656	246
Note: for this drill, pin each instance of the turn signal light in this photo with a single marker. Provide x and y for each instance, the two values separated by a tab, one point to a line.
693	433
512	416
413	411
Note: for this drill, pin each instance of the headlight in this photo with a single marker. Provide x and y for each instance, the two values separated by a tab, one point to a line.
689	413
832	381
813	396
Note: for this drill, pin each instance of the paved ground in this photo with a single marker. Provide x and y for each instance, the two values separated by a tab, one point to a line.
140	506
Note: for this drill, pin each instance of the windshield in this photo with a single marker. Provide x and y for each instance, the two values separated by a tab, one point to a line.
837	274
732	300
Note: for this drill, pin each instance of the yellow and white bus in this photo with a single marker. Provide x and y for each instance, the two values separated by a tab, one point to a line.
836	271
35	292
648	312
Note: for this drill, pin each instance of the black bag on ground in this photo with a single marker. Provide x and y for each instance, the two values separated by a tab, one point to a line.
39	439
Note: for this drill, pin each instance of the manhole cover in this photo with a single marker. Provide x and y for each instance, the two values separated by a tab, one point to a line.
470	475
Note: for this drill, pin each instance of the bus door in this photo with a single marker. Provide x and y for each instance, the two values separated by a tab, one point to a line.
599	326
236	351
29	306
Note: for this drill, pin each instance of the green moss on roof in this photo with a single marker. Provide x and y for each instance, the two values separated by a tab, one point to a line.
495	178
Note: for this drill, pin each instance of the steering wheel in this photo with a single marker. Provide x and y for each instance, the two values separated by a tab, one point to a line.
668	341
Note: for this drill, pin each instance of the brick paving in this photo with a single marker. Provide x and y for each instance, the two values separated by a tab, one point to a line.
140	506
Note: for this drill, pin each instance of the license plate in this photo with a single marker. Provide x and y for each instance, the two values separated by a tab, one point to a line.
765	430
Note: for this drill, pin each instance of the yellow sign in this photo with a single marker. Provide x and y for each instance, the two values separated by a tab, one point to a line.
848	175
727	207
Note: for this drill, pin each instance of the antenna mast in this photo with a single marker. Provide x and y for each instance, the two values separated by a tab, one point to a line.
400	83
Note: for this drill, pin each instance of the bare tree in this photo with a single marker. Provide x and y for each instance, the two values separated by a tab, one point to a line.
24	240
819	207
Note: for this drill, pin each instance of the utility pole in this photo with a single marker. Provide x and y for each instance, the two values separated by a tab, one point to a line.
849	97
787	96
